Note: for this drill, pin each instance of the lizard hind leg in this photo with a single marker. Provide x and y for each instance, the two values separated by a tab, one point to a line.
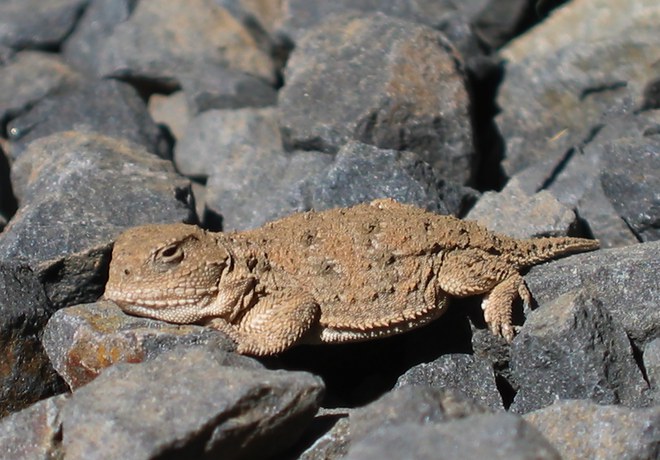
275	323
497	305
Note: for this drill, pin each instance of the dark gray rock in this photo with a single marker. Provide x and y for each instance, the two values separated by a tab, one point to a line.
185	404
362	173
213	137
583	429
631	181
83	340
35	432
415	100
28	77
76	193
500	20
26	375
254	186
106	107
573	72
82	47
333	444
412	403
37	24
467	374
493	436
208	88
164	39
624	280
571	348
652	367
517	214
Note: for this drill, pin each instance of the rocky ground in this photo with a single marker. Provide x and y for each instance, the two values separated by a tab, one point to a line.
534	118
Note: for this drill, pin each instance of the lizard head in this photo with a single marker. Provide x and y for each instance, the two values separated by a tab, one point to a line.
167	272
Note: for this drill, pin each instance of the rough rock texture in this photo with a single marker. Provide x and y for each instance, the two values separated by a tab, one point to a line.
417	100
37	24
26	375
83	340
582	429
496	436
463	373
28	77
622	280
186	404
72	206
109	108
571	348
652	366
163	39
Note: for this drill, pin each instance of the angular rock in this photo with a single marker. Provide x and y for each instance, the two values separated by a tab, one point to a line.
106	107
412	403
82	47
163	39
185	404
492	436
26	375
415	100
517	214
333	444
216	135
571	348
208	88
37	24
35	432
499	21
466	374
255	186
171	111
403	176
563	75
652	366
83	340
631	182
28	77
624	280
582	429
77	192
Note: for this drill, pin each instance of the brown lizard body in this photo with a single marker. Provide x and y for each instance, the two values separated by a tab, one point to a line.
346	274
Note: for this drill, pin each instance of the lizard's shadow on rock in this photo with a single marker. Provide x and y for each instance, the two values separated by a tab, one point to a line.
357	373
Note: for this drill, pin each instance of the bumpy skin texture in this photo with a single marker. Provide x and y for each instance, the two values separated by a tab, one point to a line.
346	274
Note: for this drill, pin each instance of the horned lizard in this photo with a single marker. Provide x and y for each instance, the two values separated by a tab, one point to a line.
345	274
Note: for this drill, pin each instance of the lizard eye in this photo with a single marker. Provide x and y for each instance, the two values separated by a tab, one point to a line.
171	254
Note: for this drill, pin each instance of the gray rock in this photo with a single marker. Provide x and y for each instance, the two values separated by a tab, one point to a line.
583	429
467	374
631	181
83	340
185	404
333	443
415	100
254	186
26	375
28	77
82	47
412	403
500	20
564	75
106	107
208	88
171	111
571	348
215	136
362	173
163	39
77	192
35	432
493	436
515	213
652	367
624	280
37	24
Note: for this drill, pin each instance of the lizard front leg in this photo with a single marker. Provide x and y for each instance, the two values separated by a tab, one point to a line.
276	322
471	271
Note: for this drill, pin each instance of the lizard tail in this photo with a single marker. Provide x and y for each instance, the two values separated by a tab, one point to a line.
537	250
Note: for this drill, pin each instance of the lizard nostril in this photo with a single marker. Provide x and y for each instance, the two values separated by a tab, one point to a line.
127	271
